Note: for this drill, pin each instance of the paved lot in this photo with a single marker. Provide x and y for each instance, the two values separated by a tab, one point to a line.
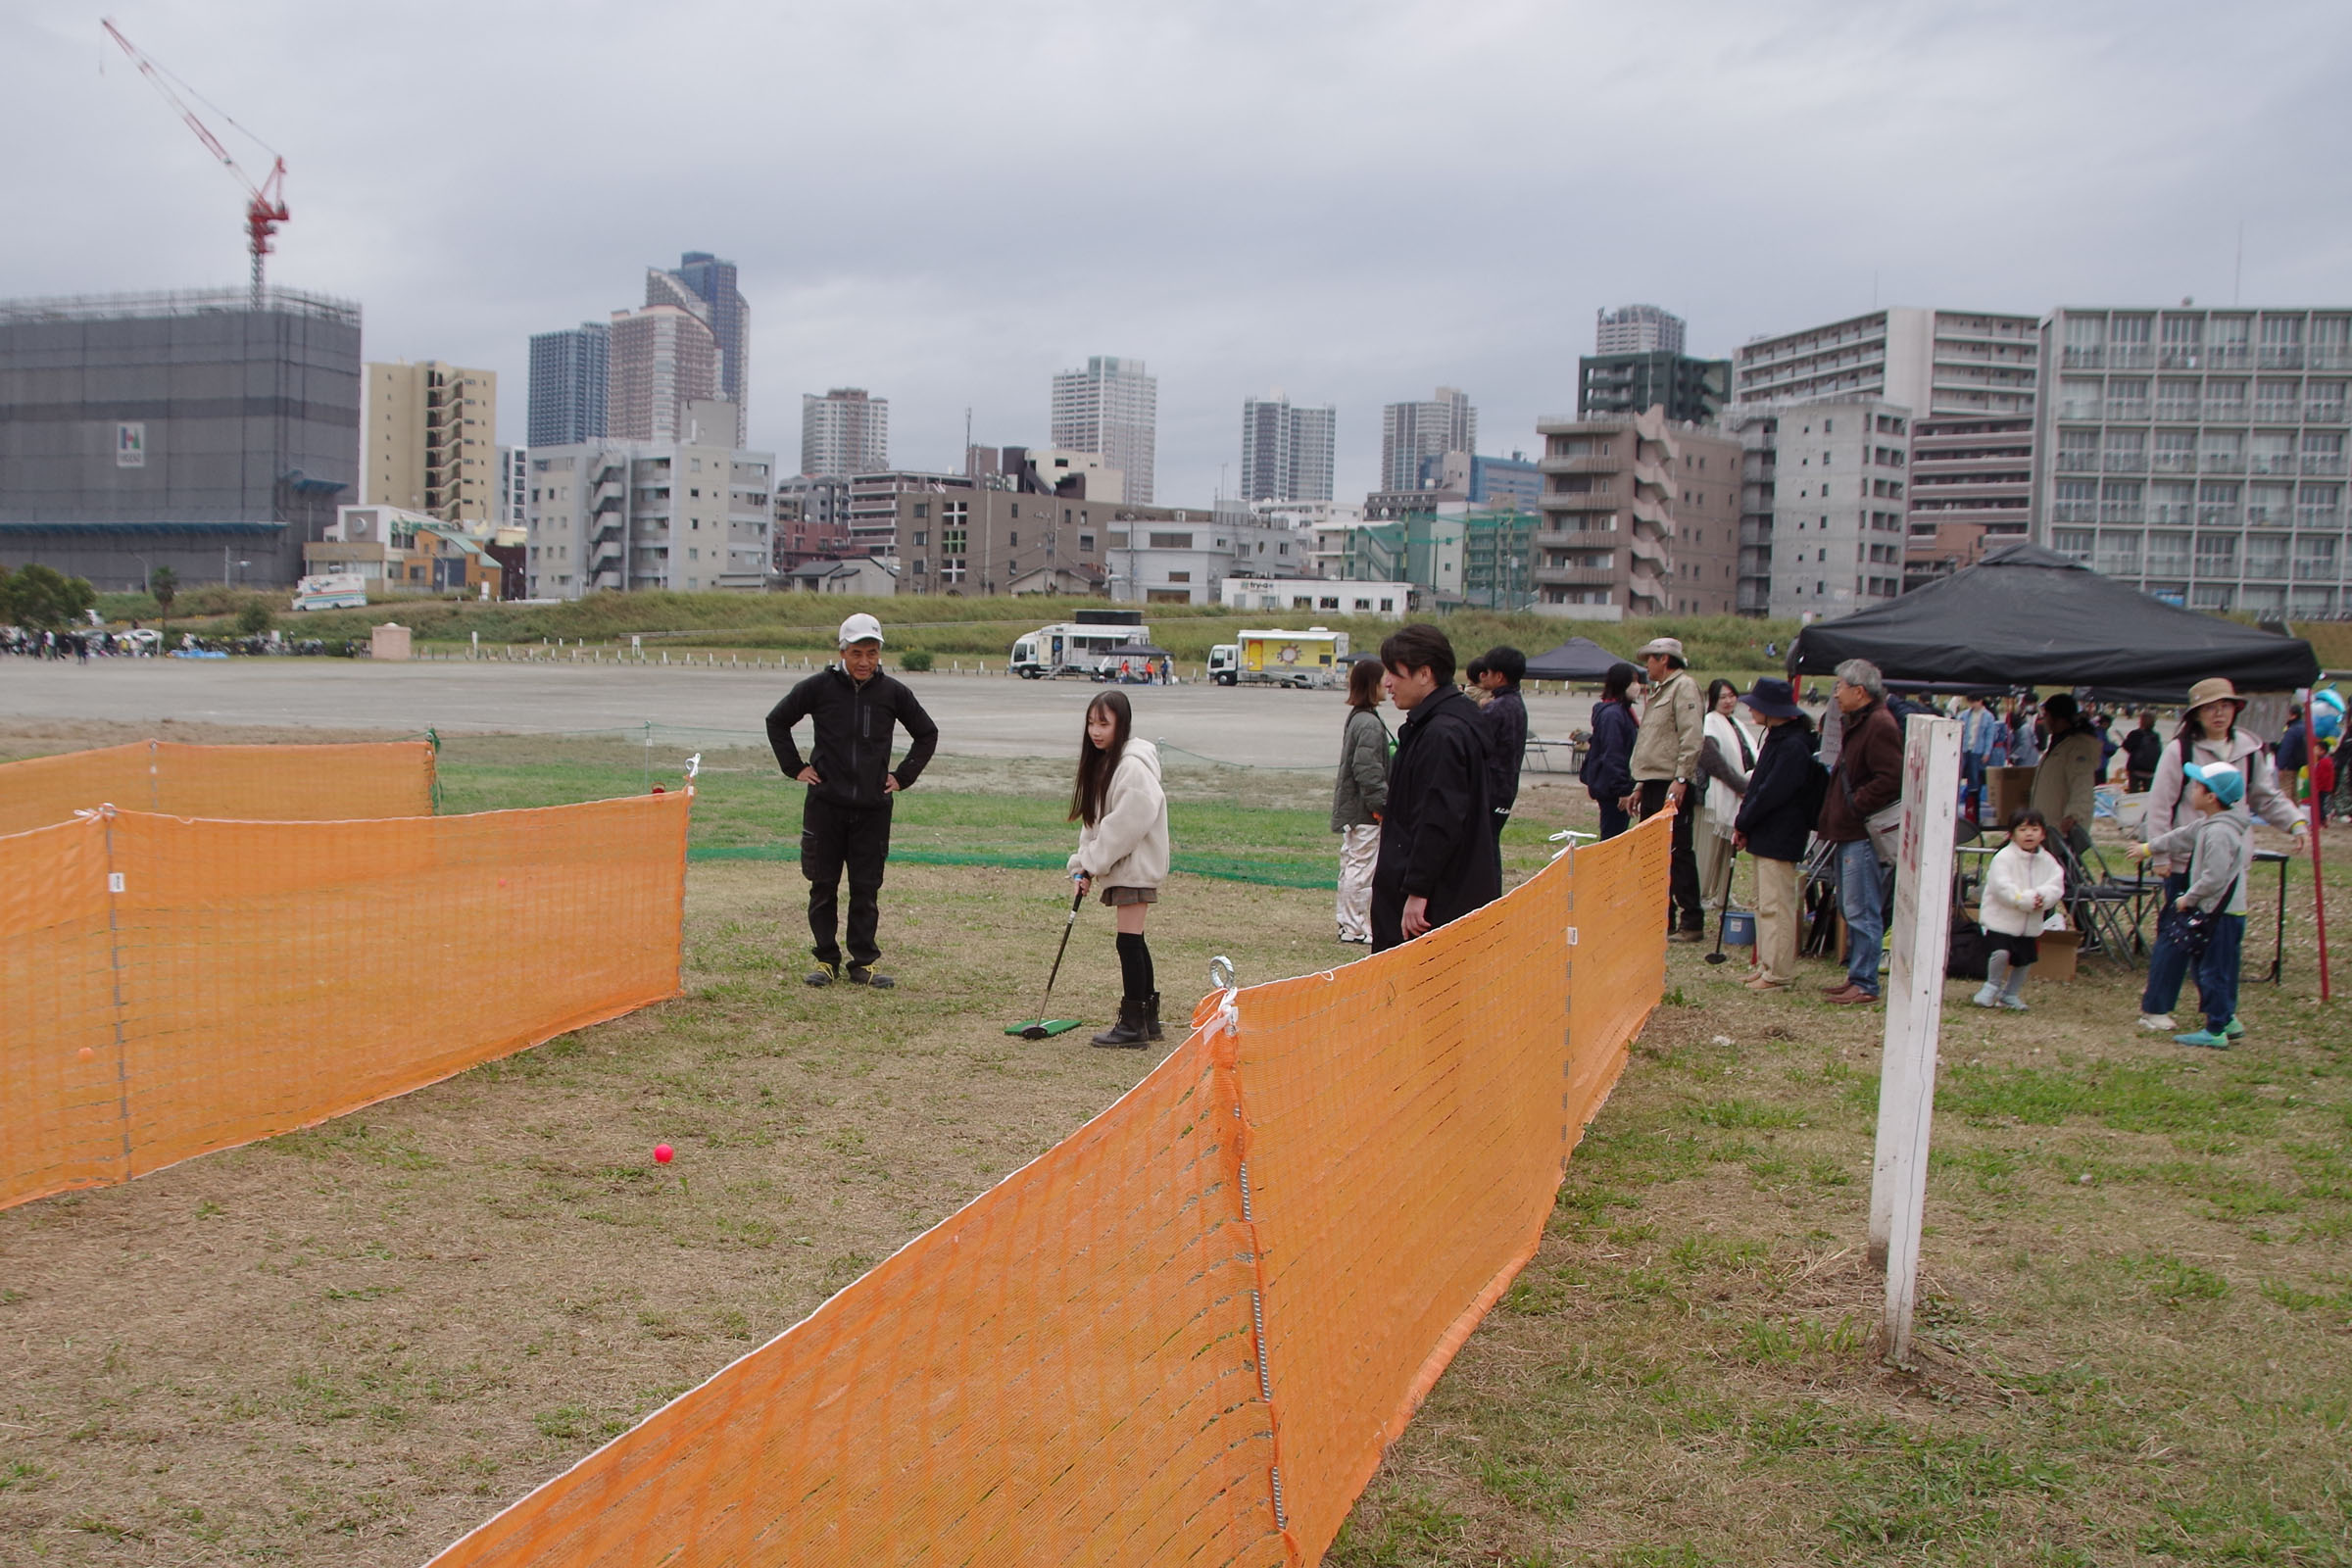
983	717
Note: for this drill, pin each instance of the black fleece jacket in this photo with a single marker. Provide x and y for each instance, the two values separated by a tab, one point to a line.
852	735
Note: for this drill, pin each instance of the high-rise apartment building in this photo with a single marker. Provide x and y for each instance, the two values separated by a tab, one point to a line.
713	282
1824	488
844	433
1111	408
180	429
1972	376
431	443
663	360
1286	451
569	373
1691	391
2200	453
630	515
513	488
1641	518
1412	431
1638	330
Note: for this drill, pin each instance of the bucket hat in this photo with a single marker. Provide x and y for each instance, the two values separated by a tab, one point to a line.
1774	699
2215	690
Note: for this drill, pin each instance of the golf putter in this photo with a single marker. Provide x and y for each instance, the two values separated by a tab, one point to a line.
1040	1027
1723	917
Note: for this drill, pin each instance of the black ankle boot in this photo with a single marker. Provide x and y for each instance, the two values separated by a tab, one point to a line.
1152	1029
1129	1031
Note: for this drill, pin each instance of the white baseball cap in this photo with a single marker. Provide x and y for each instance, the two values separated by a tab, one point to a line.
859	628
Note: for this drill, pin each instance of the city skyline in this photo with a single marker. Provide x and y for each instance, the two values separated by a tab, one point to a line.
982	321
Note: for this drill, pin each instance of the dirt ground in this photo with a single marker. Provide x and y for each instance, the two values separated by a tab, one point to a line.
348	1345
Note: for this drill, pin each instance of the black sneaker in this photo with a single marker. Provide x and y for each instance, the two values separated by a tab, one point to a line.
824	974
860	975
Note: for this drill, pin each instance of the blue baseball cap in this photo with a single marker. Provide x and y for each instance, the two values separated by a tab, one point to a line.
2228	784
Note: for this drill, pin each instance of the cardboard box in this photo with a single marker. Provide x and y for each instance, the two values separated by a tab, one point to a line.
2058	953
2007	792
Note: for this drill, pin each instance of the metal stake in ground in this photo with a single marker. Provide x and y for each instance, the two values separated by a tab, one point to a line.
1041	1026
1723	919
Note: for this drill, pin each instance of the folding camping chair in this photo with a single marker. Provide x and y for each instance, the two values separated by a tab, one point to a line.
2106	908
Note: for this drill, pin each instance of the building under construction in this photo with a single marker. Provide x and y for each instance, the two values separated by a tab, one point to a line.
212	431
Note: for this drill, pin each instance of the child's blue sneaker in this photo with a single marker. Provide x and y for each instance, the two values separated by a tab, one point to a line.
2234	1029
2203	1037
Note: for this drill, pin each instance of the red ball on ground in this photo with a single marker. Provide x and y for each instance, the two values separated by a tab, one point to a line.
661	1153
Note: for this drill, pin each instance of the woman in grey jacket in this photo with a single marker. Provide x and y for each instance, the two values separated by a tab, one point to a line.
1359	797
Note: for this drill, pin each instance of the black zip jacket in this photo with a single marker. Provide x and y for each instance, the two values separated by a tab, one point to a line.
1505	720
1436	841
852	735
1777	813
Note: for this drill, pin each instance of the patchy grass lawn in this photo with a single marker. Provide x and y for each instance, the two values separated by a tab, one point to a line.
350	1344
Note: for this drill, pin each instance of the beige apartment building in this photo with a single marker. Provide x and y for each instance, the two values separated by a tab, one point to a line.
1641	518
431	440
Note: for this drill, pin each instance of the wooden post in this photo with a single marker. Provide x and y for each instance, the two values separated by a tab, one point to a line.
1922	932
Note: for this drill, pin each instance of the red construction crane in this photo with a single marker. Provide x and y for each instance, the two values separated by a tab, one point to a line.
265	203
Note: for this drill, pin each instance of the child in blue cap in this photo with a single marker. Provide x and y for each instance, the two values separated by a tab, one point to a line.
2208	923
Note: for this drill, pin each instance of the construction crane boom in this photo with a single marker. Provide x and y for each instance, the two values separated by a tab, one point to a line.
264	203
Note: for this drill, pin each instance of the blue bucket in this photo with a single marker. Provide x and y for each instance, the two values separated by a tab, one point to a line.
1739	929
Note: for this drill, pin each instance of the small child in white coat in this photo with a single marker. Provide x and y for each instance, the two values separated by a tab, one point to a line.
2022	886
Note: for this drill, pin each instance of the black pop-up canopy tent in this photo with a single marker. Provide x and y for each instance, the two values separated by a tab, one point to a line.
1577	658
2026	616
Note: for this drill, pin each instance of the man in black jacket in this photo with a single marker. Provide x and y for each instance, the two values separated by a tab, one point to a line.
1437	859
1505	718
845	820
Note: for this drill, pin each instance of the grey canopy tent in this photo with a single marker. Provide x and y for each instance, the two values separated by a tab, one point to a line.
2025	616
1577	658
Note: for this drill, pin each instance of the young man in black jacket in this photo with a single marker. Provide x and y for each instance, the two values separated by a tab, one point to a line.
1505	718
1437	859
845	820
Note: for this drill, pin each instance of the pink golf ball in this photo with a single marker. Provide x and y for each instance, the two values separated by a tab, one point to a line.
661	1153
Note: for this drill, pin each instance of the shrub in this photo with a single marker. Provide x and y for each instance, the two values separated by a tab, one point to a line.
256	618
917	660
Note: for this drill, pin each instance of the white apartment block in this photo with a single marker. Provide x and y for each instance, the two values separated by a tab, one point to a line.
1412	431
1111	408
630	517
1822	536
1638	330
2200	453
1286	452
1185	559
513	488
1966	380
843	433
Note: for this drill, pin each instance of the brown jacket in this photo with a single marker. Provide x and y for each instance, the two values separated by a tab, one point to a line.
1870	760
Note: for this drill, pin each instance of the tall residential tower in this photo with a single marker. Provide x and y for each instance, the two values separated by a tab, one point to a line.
1412	431
431	440
1286	451
1110	407
843	433
569	370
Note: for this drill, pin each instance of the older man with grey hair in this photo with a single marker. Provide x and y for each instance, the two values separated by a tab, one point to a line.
1867	779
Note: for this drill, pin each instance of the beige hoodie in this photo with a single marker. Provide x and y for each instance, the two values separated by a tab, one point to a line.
1129	847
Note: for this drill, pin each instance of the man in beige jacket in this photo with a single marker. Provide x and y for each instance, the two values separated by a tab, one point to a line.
1665	768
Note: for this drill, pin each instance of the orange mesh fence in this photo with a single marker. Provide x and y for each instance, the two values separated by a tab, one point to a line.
1184	1334
247	783
176	986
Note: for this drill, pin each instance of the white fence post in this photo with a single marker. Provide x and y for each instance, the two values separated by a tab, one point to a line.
1923	919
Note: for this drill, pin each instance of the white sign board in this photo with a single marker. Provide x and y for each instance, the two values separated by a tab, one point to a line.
1922	922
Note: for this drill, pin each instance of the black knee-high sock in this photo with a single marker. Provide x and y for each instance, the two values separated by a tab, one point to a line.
1135	964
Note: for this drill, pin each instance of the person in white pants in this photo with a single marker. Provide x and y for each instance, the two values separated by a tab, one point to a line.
1358	797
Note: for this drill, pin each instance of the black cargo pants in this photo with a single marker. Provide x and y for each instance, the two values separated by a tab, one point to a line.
835	838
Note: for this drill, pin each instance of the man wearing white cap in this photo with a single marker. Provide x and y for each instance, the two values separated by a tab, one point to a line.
1665	766
845	820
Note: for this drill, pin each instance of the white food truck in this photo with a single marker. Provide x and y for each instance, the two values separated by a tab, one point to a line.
1095	644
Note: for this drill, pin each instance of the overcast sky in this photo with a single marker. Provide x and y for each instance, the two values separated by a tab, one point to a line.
947	202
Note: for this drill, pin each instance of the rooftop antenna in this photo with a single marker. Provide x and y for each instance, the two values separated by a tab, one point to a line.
2237	275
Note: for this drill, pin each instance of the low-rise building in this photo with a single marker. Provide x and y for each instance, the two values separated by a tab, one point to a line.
858	574
1178	556
1292	595
628	517
392	550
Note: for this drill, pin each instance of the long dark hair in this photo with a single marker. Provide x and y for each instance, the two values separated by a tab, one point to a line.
1715	690
1363	683
1617	686
1096	764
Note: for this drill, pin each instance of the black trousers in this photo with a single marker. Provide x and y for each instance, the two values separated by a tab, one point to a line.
835	838
1681	866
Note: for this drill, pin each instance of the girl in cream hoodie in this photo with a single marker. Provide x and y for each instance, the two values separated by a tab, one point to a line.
1123	850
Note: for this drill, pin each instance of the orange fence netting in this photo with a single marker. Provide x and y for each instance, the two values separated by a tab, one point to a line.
247	783
1184	1334
172	986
